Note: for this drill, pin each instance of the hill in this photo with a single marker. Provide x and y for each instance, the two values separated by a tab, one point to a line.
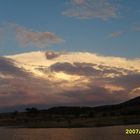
120	114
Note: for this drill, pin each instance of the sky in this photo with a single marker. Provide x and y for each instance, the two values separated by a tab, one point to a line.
108	27
69	52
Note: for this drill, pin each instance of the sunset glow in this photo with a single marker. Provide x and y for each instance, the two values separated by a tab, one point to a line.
78	52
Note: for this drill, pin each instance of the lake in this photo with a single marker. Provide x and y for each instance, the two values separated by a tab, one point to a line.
96	133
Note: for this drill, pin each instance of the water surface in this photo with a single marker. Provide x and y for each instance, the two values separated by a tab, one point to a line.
97	133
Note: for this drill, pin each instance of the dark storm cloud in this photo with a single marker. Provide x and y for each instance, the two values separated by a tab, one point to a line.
51	55
96	96
87	69
130	81
75	68
8	67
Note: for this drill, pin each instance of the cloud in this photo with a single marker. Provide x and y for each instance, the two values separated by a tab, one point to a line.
135	92
20	87
116	34
1	32
79	2
26	37
51	55
79	79
86	9
40	39
137	28
7	67
129	81
89	69
95	96
77	68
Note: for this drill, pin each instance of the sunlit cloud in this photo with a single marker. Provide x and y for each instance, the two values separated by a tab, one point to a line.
86	9
75	80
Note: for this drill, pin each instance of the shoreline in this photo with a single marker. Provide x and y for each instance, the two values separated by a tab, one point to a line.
55	127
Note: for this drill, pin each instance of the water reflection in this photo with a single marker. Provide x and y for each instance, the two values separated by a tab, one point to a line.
100	133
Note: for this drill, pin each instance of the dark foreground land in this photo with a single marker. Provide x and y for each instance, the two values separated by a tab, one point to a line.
120	114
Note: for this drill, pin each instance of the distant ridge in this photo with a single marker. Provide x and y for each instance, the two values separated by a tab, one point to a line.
127	107
124	113
134	101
